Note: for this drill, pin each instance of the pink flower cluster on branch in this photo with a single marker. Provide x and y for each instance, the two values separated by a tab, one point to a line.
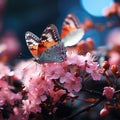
30	88
45	84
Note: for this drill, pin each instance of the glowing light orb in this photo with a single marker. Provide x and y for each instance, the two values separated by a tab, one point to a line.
95	7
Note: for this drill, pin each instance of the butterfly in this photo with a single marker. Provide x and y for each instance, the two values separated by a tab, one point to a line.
48	48
71	32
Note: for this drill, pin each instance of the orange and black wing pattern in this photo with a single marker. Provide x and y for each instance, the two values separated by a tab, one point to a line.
38	45
32	42
48	38
70	24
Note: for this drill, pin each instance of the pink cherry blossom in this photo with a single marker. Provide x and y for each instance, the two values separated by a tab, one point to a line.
72	58
38	82
6	95
36	88
80	60
92	68
30	106
108	92
53	71
26	68
84	59
71	83
56	95
88	57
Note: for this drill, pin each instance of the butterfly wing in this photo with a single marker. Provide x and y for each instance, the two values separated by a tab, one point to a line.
32	42
70	24
38	45
50	48
48	39
56	53
71	32
73	38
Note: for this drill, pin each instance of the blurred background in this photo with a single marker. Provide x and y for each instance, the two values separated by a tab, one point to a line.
17	17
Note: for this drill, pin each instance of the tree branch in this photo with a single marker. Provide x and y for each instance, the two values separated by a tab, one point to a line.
84	109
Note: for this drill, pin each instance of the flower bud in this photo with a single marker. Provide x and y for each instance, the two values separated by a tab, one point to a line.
82	48
114	68
90	44
89	23
118	74
104	112
105	65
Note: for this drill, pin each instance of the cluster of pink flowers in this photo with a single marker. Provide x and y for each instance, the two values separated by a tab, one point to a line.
30	88
43	83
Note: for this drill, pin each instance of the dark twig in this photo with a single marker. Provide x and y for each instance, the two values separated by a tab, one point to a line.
84	109
87	108
93	92
116	92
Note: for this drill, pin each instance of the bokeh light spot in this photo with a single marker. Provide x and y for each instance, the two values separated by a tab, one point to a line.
95	7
